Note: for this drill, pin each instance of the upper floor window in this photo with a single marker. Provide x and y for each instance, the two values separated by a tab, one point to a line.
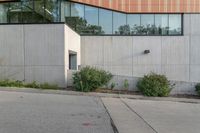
105	21
133	23
99	21
91	20
175	24
119	24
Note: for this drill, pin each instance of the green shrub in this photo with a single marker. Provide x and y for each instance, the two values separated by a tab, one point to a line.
11	83
112	86
198	88
126	84
154	85
32	85
89	79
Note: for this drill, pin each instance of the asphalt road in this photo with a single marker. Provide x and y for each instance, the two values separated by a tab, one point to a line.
48	113
56	113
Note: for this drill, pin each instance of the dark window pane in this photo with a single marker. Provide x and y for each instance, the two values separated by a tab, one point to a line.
39	10
3	13
175	23
28	14
27	11
105	21
147	24
133	21
15	12
52	12
119	24
161	24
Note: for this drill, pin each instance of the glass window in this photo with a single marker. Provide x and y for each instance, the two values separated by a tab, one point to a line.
65	10
92	19
27	12
76	20
15	12
77	10
147	24
3	13
91	15
133	21
175	24
105	21
39	10
119	24
51	10
161	24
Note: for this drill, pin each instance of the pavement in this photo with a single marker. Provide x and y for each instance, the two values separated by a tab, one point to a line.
47	111
50	113
147	116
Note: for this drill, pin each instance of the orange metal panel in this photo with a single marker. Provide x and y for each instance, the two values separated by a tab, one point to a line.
147	6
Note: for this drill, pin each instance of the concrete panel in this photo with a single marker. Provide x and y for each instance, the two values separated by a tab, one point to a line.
108	51
49	74
195	73
12	72
195	50
176	72
187	24
122	49
11	45
44	44
195	27
93	48
183	87
140	44
121	70
175	50
141	70
119	81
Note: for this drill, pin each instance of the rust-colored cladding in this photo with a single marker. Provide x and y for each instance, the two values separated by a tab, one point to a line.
147	6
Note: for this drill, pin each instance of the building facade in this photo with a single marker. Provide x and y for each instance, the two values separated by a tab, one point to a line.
114	35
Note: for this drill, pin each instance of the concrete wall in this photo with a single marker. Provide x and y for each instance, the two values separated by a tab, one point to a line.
37	52
72	43
44	53
178	57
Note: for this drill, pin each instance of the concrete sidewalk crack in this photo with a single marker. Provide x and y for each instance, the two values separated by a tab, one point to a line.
111	120
138	115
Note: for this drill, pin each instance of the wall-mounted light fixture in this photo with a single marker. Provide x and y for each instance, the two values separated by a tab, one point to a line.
146	51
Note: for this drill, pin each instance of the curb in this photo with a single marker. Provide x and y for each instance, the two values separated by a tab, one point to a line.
66	92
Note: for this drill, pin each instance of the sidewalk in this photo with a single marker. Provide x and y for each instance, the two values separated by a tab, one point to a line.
124	119
147	116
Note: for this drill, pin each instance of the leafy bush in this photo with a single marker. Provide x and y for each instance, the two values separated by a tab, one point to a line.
198	88
154	85
89	79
